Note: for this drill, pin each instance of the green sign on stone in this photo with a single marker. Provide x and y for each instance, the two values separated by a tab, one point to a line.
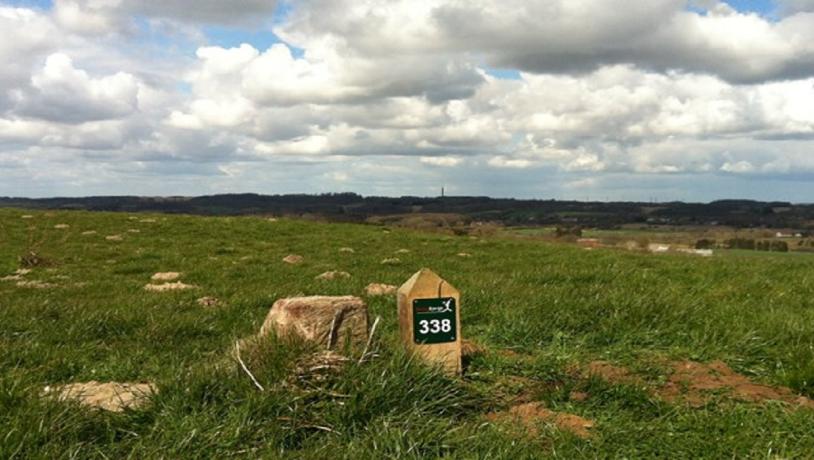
434	320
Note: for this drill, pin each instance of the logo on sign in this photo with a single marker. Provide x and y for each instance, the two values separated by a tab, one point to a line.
434	320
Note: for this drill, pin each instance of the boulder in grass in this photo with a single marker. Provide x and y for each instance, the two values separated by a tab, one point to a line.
328	321
110	396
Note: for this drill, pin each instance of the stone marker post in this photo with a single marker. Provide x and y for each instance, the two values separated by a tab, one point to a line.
430	320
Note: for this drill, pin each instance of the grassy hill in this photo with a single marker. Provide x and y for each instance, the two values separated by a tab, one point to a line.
596	334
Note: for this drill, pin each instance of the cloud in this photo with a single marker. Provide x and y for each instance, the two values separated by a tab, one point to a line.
796	6
94	17
446	162
62	93
566	37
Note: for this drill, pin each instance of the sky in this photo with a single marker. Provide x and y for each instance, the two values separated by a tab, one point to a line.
559	99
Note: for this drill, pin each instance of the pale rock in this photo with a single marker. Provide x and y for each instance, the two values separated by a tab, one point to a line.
178	286
330	276
293	259
110	396
315	318
391	261
165	276
378	289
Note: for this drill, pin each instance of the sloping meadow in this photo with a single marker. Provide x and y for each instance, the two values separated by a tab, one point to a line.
75	307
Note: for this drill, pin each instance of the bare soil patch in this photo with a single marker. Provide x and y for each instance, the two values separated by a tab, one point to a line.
529	416
612	373
111	396
696	384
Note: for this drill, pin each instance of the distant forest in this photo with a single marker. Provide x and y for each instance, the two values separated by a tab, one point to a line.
350	207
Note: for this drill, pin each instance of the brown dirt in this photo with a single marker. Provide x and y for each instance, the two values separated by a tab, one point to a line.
165	276
471	348
529	416
696	384
333	275
178	286
611	373
293	259
377	289
111	396
578	396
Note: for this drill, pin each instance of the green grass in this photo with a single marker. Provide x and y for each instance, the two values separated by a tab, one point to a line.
556	306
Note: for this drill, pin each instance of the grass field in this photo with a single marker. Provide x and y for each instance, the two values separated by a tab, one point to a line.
542	312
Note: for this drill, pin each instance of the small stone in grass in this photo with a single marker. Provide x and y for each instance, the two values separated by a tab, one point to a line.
293	259
178	286
114	238
403	251
329	276
89	232
133	230
27	216
165	276
377	289
208	302
35	284
61	226
464	254
347	250
391	261
111	396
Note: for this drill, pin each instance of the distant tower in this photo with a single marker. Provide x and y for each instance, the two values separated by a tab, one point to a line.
442	192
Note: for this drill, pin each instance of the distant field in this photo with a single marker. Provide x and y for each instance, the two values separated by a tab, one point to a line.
544	314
